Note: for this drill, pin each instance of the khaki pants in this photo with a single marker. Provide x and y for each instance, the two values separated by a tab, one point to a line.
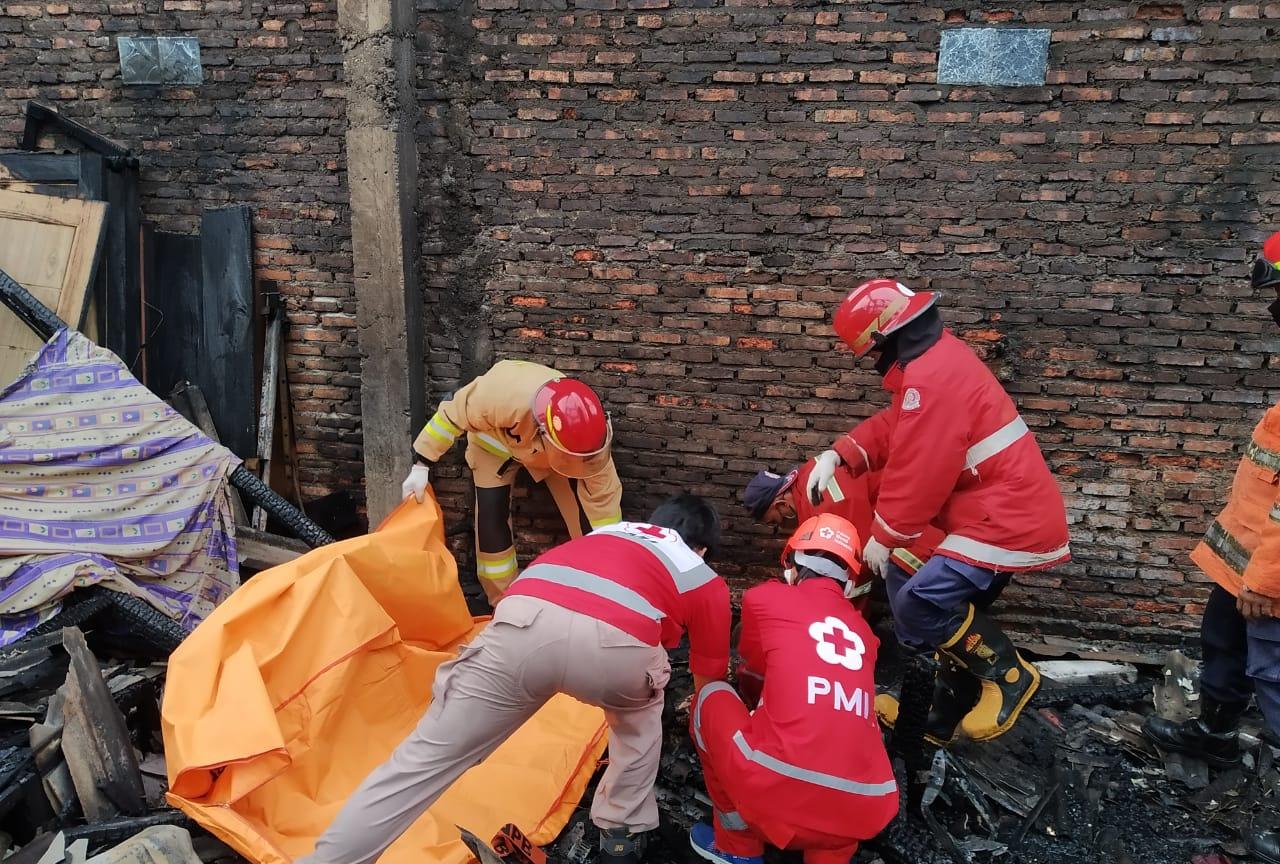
532	651
496	563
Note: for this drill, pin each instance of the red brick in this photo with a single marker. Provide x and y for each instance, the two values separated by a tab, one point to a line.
837	115
588	199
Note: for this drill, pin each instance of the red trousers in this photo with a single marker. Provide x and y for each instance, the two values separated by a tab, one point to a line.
746	816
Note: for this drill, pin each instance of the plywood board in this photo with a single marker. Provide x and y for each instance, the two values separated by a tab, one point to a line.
49	246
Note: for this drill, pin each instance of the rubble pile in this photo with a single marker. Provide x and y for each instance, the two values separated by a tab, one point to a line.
82	771
1073	781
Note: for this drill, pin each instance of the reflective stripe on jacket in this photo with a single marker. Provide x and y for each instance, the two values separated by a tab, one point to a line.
955	453
495	412
1242	545
643	580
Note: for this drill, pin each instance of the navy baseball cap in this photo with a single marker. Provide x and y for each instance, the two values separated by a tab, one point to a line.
765	488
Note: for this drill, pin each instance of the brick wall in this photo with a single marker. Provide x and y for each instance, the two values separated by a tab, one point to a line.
667	197
265	128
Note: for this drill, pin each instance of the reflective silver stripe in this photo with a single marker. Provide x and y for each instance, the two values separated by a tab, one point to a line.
693	579
898	534
998	440
558	574
822	565
806	775
732	820
1228	548
866	460
713	687
1262	457
687	570
998	557
494	445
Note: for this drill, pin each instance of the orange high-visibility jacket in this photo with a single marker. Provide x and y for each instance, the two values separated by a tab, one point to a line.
1242	546
496	413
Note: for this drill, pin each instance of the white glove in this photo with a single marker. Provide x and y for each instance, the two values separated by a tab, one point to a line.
875	555
416	483
824	469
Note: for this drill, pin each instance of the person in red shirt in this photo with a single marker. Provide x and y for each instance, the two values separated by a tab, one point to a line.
955	453
778	499
807	768
590	618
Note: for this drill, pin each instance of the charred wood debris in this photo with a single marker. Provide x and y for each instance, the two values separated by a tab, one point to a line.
82	774
1074	781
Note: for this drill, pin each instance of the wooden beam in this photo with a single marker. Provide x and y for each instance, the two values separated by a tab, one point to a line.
259	550
53	168
95	739
267	405
378	64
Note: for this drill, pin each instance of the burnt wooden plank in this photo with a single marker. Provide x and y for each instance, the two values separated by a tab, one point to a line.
172	278
34	851
122	323
51	168
261	550
95	739
39	116
227	377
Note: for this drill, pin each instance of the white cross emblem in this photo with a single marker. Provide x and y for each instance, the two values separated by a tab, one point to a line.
837	644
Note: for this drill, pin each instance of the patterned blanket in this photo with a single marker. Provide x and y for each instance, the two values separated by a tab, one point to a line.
101	482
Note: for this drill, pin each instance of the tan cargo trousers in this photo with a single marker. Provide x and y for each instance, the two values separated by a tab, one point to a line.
530	652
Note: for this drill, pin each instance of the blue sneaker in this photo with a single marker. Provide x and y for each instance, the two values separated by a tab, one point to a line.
702	837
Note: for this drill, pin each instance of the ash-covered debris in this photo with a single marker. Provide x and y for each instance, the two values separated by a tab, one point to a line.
82	772
1074	781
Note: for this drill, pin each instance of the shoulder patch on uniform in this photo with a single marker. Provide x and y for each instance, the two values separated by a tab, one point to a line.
911	399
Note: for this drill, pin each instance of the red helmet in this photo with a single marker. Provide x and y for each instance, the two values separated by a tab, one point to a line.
834	535
571	417
1266	269
876	309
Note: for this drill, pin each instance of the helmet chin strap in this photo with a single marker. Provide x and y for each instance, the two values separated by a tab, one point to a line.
825	567
822	566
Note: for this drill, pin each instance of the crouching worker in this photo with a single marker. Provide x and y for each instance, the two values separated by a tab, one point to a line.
589	618
523	415
807	769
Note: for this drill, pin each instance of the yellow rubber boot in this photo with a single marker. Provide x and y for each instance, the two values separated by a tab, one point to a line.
1008	680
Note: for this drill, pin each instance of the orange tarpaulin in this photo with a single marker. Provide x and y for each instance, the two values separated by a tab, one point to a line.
307	677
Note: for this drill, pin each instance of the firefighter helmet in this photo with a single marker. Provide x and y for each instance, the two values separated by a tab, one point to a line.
571	418
1266	269
833	535
876	309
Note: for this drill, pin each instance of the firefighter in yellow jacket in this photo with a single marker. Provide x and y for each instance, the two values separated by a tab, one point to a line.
523	415
1240	633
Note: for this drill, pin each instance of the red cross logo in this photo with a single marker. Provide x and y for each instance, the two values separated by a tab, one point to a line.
652	531
837	644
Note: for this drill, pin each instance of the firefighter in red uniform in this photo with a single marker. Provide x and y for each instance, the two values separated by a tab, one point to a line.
806	769
773	499
953	452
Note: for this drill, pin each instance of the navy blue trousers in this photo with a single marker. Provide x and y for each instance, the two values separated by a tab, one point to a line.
1241	658
929	606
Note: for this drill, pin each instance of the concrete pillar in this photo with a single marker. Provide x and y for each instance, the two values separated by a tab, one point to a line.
378	66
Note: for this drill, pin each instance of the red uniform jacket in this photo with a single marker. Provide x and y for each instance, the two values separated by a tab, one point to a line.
643	580
857	495
814	735
954	452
